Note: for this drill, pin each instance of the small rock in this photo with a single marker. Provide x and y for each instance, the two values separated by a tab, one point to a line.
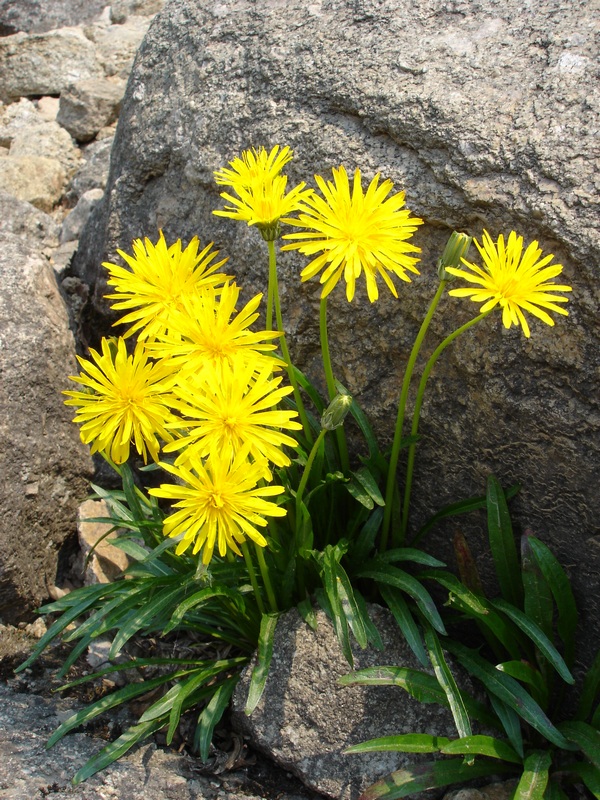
49	140
16	118
494	791
108	561
90	105
48	108
40	181
61	256
45	63
120	10
117	45
26	221
36	629
93	172
76	219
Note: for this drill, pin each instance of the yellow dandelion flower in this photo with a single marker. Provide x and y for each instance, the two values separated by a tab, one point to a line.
260	188
208	333
233	410
219	504
517	281
123	399
159	278
355	233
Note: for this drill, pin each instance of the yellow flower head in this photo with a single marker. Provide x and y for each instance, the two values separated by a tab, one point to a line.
517	281
208	334
260	188
123	399
233	410
354	233
159	278
219	504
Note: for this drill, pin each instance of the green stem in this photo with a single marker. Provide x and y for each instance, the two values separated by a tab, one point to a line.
330	380
274	288
252	574
264	571
417	413
394	455
306	473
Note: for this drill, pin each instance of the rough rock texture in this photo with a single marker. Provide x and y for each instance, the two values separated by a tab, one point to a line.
487	114
305	720
88	106
38	180
26	221
45	63
76	219
39	16
44	467
107	562
48	140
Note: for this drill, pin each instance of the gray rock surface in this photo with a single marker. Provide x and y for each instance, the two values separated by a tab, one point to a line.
305	720
38	180
76	219
39	16
27	222
487	115
90	105
43	464
45	63
48	140
93	172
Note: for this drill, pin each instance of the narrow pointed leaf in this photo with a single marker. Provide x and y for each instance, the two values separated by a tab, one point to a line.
502	543
403	743
482	746
143	616
585	737
212	714
260	672
467	568
431	775
446	680
116	749
411	554
589	774
388	574
511	722
406	622
590	689
538	637
364	476
534	779
509	691
560	587
537	600
350	607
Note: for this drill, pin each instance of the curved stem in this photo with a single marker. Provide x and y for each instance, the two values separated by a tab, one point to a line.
252	574
417	413
330	380
306	473
274	288
393	466
264	571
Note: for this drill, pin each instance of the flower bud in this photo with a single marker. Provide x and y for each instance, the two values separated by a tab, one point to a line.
456	249
335	413
270	231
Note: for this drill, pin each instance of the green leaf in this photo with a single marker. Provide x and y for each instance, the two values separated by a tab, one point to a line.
534	779
356	489
307	612
560	587
538	637
116	698
260	672
554	792
502	543
212	714
411	554
461	507
511	723
482	746
362	422
446	680
406	622
537	601
590	689
198	598
365	477
387	574
525	673
372	633
402	743
589	774
585	737
144	617
350	607
329	561
420	685
363	545
85	598
431	775
116	749
509	691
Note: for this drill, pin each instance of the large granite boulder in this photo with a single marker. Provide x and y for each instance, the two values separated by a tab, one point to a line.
487	115
44	467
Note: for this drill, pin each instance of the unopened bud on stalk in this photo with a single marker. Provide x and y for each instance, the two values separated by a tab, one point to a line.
335	413
456	249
